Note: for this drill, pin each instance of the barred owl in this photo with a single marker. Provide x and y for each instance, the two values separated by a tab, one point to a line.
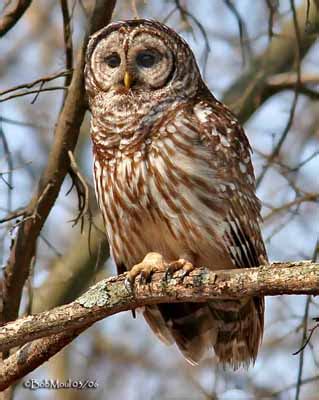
173	177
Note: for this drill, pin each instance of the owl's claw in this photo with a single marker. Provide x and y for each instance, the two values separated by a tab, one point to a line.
152	262
128	285
180	264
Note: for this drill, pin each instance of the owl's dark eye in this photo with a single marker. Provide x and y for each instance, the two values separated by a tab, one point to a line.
113	60
147	59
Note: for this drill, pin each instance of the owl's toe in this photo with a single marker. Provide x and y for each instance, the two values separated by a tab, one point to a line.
152	262
178	265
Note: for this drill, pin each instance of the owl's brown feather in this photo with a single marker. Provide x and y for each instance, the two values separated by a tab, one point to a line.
173	175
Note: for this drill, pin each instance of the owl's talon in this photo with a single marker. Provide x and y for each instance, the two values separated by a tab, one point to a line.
168	275
128	285
178	265
152	262
146	276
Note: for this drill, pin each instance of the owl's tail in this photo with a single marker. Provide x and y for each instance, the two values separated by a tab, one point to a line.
233	328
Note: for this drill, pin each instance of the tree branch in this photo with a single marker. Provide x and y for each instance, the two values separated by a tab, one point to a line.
288	81
110	296
12	17
32	355
251	90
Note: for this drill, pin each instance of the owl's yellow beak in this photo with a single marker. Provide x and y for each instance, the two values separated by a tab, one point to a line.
127	80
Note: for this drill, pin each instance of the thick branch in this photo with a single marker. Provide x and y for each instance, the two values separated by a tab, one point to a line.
289	80
110	296
32	355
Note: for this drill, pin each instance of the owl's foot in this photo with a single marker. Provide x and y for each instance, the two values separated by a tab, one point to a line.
178	265
152	262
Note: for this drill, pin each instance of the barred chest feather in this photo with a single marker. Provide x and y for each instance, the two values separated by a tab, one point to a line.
160	194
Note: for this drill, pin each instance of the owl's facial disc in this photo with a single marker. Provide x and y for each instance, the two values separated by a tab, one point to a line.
137	61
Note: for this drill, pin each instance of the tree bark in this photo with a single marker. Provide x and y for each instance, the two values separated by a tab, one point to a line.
111	296
59	326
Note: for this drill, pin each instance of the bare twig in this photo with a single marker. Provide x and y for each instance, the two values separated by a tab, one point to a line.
301	353
44	79
243	36
12	215
308	197
81	187
304	334
183	11
286	130
36	92
251	90
68	45
272	11
312	330
292	386
10	167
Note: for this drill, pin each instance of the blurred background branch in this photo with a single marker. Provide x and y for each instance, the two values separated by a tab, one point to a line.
10	18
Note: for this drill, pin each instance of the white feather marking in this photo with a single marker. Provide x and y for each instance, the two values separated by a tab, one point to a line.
242	167
224	141
171	128
202	112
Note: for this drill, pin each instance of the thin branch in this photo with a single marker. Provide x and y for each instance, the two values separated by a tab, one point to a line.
308	197
251	90
82	190
36	92
272	11
30	85
184	12
243	36
312	330
292	386
286	130
68	45
10	167
12	215
304	334
301	355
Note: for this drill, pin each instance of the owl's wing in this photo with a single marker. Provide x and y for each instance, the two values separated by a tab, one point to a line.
220	131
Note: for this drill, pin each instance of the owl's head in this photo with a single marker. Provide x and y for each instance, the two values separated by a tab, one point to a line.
142	58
